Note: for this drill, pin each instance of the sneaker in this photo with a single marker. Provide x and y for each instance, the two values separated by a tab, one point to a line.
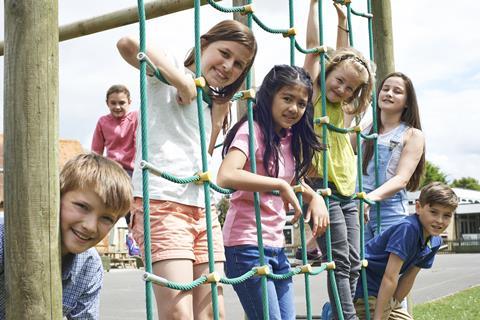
327	311
133	249
314	256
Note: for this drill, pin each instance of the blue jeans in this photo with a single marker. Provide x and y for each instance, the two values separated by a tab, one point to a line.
241	259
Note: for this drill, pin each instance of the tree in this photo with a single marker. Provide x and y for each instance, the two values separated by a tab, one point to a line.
432	173
466	183
222	208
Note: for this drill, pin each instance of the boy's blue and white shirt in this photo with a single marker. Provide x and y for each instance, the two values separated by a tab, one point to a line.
82	279
405	239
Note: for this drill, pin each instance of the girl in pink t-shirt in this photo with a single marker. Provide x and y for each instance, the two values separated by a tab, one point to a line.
284	147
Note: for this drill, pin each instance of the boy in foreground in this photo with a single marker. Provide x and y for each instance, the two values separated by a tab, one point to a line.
94	193
396	256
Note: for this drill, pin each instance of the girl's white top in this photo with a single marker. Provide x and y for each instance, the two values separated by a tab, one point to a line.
173	143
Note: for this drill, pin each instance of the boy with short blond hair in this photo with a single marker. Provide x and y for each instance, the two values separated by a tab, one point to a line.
94	193
396	256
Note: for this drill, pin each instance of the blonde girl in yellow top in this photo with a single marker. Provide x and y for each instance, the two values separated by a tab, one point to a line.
349	83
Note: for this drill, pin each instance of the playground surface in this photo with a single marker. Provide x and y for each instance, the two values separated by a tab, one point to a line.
123	294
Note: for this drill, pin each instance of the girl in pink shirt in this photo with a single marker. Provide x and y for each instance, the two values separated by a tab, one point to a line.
284	147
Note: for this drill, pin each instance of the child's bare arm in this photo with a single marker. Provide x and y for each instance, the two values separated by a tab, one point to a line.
317	210
388	285
342	31
128	48
414	145
405	283
311	64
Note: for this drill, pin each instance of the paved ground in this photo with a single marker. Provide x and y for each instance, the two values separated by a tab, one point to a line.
123	294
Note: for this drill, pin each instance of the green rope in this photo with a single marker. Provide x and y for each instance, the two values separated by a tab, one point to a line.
220	189
375	158
304	259
144	63
369	136
150	277
291	18
305	51
240	279
170	177
157	74
328	237
284	276
318	270
256	195
239	9
331	127
265	27
206	185
364	15
144	134
349	24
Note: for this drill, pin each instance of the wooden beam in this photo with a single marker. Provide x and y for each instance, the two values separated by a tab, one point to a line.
383	38
32	251
119	18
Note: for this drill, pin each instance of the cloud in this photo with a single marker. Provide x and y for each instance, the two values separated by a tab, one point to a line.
435	49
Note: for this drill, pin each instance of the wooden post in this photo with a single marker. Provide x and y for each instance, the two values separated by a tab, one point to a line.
32	252
383	38
242	104
153	9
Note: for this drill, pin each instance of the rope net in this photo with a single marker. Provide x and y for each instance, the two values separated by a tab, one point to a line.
203	178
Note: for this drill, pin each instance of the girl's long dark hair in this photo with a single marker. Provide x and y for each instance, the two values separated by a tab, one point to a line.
411	117
227	30
304	140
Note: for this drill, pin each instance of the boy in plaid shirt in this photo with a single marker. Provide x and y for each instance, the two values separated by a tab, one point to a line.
94	193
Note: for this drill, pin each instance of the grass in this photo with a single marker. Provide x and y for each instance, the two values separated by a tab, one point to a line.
464	305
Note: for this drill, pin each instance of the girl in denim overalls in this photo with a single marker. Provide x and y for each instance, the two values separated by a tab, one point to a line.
401	153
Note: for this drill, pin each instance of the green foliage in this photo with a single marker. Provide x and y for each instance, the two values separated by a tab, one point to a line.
222	207
432	173
466	183
460	306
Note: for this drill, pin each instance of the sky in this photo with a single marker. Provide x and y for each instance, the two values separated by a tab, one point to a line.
435	43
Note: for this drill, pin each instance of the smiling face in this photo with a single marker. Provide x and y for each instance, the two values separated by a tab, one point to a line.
393	95
288	107
434	218
223	62
84	220
341	83
118	103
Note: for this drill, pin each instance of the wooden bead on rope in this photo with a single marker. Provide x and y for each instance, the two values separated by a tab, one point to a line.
290	32
200	82
262	270
204	177
307	268
330	265
248	94
248	8
213	277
